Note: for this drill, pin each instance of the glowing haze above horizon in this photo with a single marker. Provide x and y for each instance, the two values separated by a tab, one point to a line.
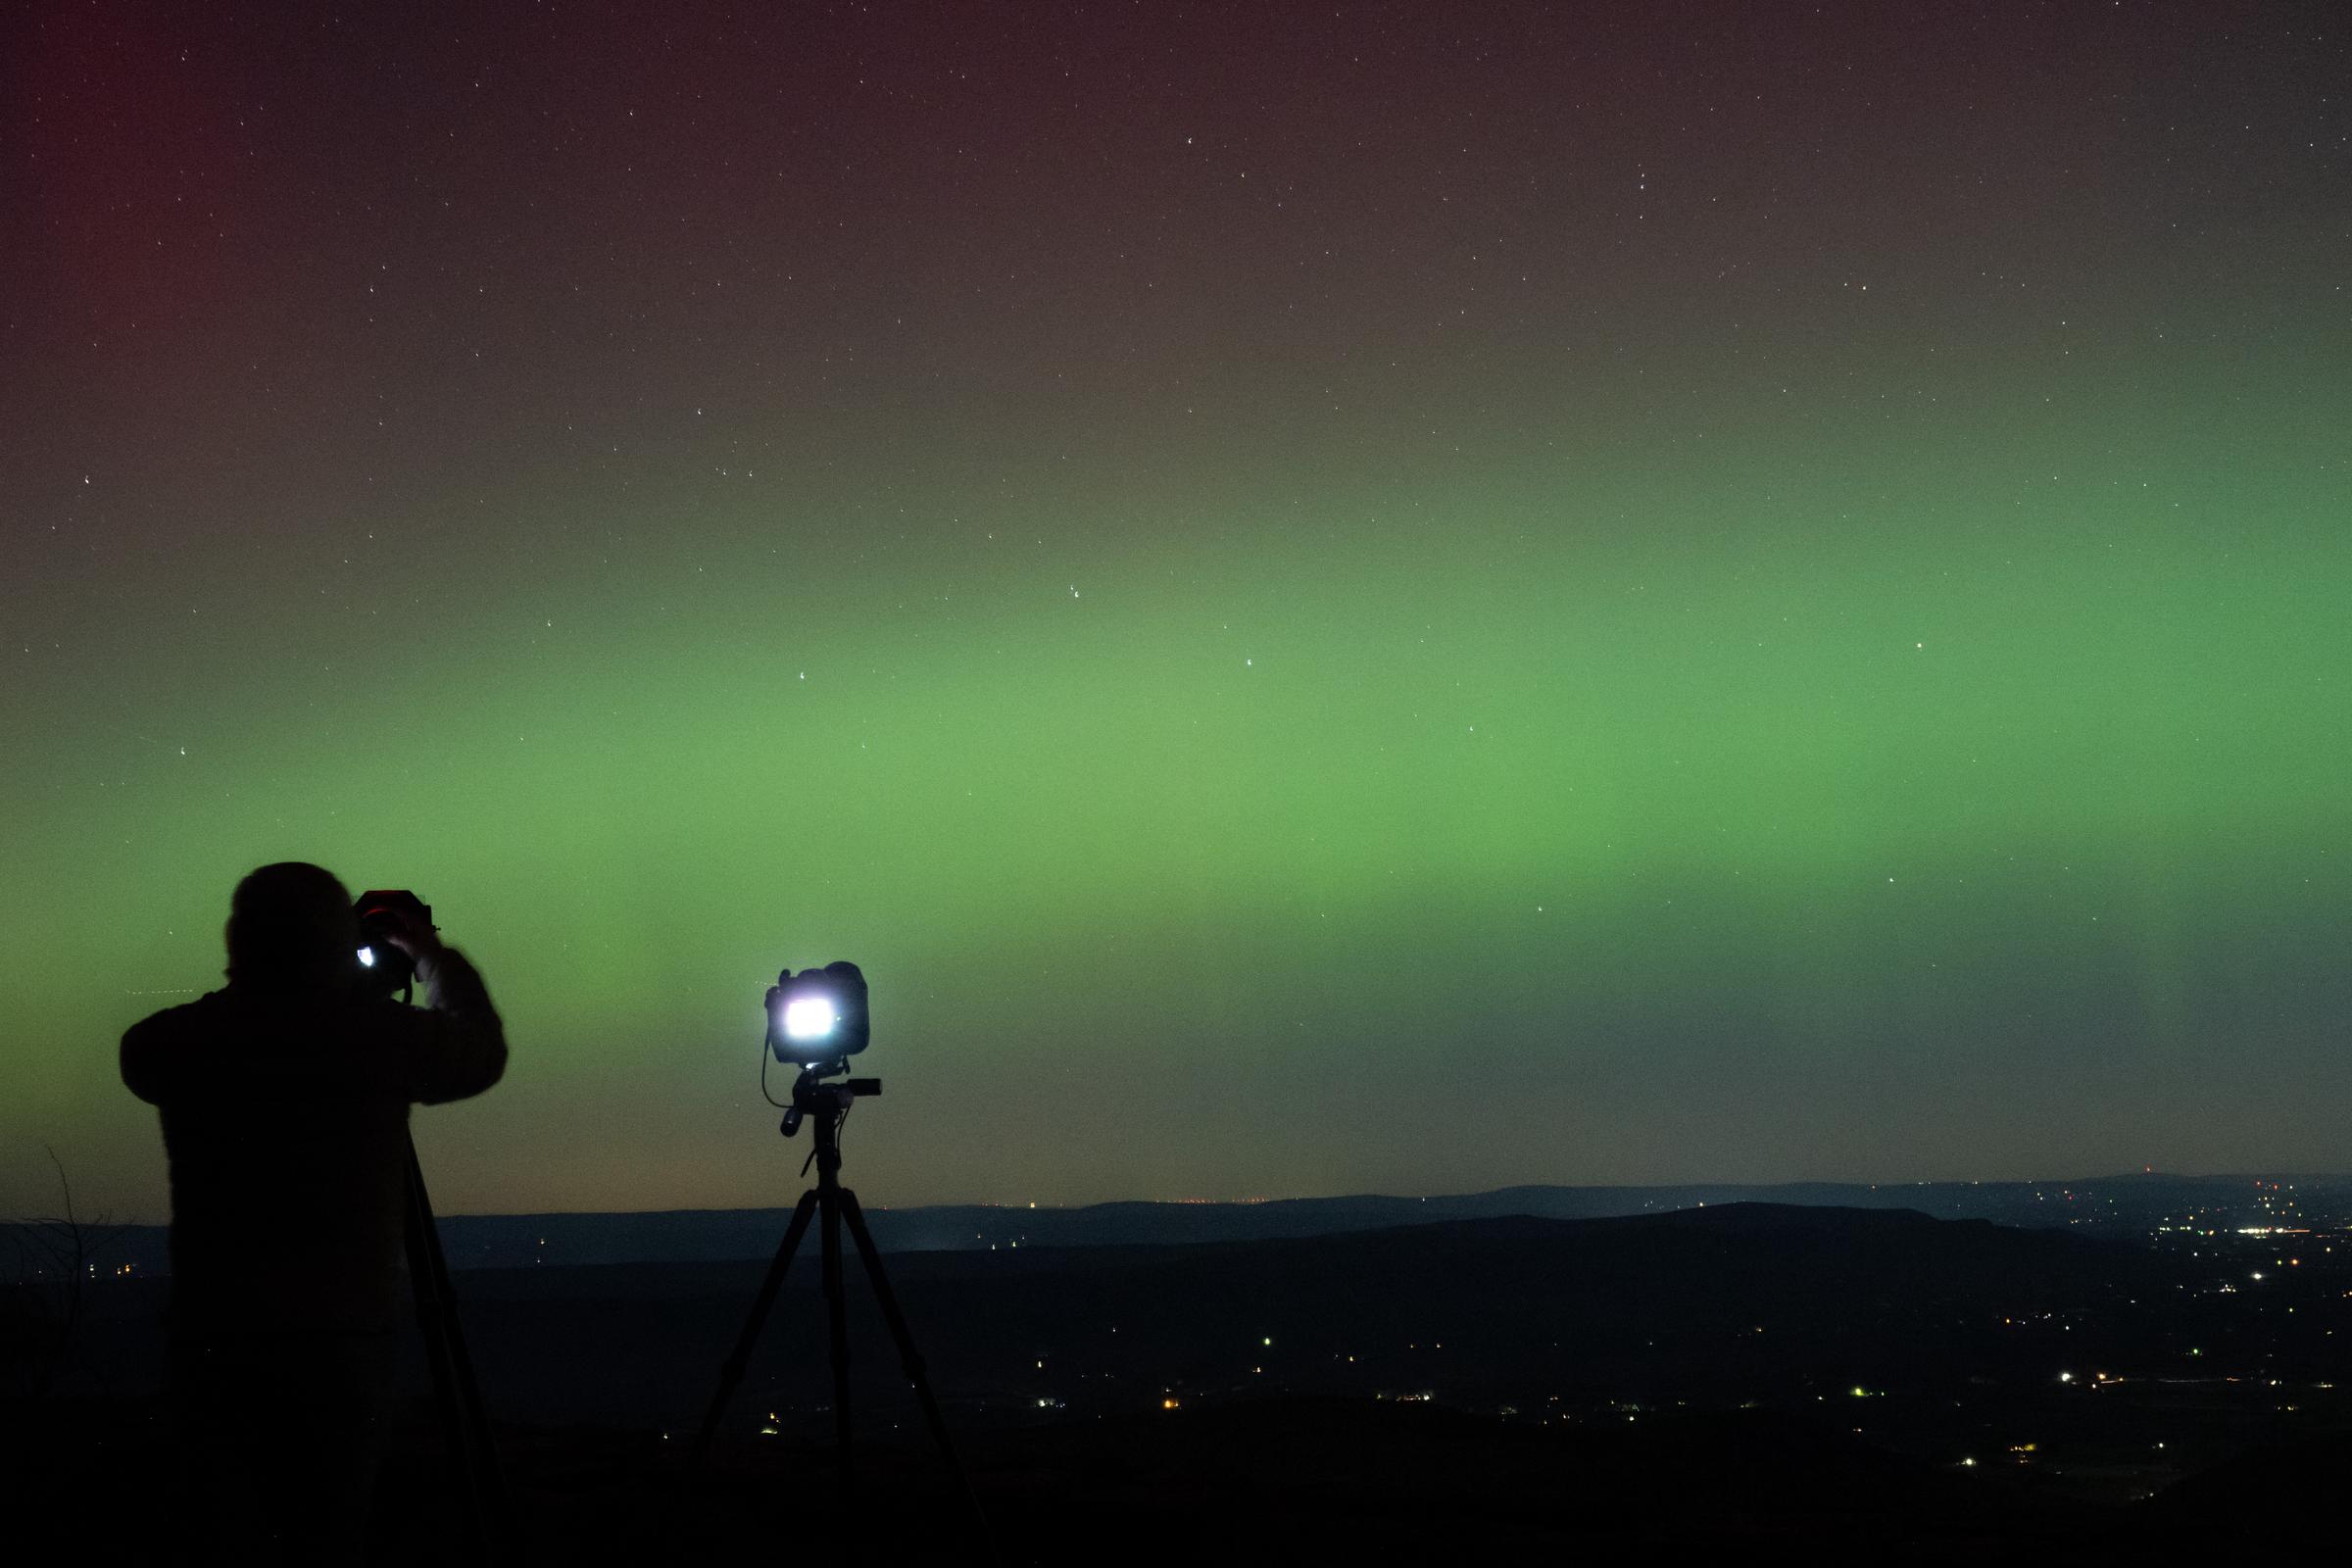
1383	597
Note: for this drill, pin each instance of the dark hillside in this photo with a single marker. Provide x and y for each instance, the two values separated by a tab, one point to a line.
1758	1297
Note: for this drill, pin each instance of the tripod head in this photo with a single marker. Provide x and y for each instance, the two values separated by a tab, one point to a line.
828	1102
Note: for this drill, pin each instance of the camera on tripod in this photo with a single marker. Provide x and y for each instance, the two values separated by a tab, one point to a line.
817	1018
382	913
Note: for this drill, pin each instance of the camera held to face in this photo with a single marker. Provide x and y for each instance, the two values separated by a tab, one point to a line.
383	914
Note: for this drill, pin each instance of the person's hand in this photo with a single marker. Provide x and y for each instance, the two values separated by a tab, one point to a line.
412	934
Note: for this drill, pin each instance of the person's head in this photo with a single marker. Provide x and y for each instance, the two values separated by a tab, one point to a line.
291	924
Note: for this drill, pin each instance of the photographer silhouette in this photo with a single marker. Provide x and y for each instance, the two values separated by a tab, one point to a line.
284	1100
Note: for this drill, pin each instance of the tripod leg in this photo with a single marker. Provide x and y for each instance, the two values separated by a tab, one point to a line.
732	1373
455	1398
910	1360
837	1315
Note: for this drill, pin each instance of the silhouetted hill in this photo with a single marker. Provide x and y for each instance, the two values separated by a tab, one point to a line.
1478	1311
1328	1480
2291	1488
2132	1205
1836	1383
1058	1367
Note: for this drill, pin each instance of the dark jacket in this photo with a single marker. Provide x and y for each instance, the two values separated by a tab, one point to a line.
285	1116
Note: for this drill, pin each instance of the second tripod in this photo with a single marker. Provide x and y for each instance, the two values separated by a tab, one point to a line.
476	1482
833	1206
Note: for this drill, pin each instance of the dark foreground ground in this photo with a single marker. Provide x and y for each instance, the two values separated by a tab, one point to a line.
1750	1382
1278	1480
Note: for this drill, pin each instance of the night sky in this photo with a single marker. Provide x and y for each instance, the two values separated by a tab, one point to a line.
1329	597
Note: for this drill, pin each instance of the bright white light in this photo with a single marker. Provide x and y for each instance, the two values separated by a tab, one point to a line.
367	958
810	1017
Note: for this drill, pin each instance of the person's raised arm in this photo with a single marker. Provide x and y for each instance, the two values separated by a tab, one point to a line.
148	1059
459	1047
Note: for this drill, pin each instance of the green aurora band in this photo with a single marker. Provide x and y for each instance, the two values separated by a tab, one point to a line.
1825	738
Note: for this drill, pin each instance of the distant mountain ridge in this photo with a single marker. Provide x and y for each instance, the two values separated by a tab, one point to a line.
2132	1205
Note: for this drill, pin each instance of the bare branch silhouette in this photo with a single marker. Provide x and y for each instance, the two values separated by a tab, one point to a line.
47	1298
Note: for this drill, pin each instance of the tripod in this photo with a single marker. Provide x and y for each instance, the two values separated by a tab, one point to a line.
474	1476
824	1106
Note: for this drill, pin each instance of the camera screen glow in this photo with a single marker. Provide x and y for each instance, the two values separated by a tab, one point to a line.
810	1017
